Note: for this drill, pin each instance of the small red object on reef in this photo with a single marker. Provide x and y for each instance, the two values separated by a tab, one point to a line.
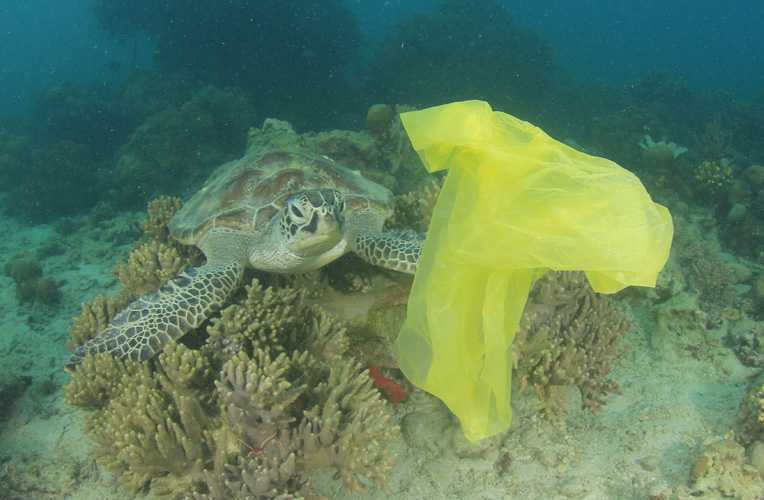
394	391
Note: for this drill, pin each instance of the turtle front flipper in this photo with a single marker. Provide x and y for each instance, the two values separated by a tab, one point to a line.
396	250
182	304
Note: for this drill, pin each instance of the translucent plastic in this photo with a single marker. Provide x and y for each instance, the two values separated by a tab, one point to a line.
515	204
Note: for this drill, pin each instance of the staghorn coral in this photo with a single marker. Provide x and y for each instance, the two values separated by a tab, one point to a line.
266	396
149	266
284	403
160	211
345	426
151	432
97	379
413	210
277	320
266	318
569	336
348	428
94	317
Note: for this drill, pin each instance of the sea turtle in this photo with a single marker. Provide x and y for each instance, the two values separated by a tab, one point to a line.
281	210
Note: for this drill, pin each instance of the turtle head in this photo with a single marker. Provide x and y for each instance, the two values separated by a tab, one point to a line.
312	221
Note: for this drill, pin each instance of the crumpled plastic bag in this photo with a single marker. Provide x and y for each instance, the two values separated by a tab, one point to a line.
515	203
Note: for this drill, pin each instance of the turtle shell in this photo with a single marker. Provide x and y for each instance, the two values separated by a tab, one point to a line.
245	194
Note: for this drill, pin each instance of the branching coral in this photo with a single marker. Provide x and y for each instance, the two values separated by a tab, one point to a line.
97	380
149	266
348	428
569	336
94	317
151	432
160	211
286	401
413	210
276	320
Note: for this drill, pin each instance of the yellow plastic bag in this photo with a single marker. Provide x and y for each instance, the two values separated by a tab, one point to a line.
515	204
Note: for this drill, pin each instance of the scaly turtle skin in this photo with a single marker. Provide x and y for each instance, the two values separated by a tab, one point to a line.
278	210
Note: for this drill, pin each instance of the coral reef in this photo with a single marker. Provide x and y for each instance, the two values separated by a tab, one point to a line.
379	118
291	56
149	266
89	116
175	148
94	317
706	271
413	210
713	177
159	212
569	335
60	178
660	153
267	393
751	419
504	64
749	345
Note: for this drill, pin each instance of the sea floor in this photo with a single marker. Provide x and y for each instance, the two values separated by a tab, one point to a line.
644	443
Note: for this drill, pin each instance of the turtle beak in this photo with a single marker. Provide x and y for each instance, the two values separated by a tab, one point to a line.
322	233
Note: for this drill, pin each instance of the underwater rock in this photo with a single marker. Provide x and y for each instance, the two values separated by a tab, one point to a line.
749	345
425	427
721	470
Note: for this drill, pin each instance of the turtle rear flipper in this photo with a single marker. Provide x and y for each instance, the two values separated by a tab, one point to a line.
182	304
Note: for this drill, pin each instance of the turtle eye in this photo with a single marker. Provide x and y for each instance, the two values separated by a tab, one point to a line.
296	211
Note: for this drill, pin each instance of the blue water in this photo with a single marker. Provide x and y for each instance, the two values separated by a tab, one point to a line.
713	45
